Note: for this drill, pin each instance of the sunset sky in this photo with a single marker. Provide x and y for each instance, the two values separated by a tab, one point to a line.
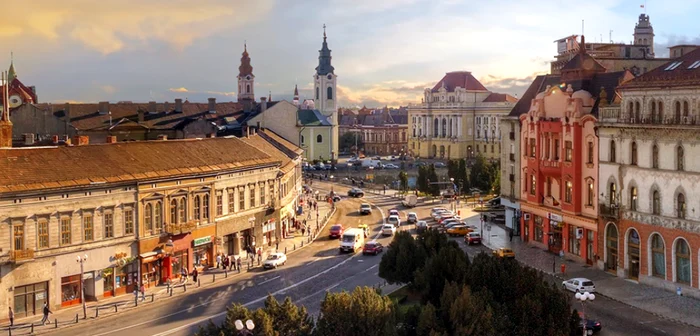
384	51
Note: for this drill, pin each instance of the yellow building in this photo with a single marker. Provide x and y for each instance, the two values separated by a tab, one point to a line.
458	118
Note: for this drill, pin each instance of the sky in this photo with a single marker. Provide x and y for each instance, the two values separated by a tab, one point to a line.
385	52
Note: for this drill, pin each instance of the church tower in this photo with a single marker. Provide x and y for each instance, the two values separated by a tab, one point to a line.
325	92
644	34
296	96
246	79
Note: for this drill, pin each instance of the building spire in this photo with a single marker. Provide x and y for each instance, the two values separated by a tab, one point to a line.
324	57
11	73
324	32
245	68
269	96
296	92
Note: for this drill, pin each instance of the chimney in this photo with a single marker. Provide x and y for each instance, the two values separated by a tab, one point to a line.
141	116
212	105
166	107
111	139
81	140
162	137
103	107
152	107
28	139
263	104
178	105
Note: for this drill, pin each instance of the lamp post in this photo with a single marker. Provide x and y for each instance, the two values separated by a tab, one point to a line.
586	296
454	206
82	260
245	330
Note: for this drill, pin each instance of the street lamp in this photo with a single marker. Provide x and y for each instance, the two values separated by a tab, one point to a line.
245	330
82	260
586	296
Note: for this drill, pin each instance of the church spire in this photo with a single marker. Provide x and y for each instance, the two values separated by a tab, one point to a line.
11	74
324	57
245	68
269	96
296	92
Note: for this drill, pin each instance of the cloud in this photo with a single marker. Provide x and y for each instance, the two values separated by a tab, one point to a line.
111	26
661	49
108	89
180	89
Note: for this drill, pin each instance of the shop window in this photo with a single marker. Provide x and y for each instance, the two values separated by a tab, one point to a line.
682	252
658	256
43	233
108	219
574	246
66	237
129	221
88	228
70	290
539	230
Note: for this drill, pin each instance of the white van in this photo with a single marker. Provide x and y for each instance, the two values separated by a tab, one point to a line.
352	240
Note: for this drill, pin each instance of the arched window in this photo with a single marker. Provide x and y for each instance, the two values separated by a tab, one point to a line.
329	93
611	248
317	94
686	109
656	203
148	216
633	198
680	158
633	153
436	128
653	112
613	151
173	211
630	109
658	256
247	88
678	112
205	206
183	210
680	205
655	156
444	127
158	215
613	193
637	112
197	212
661	111
319	138
633	253
682	252
449	133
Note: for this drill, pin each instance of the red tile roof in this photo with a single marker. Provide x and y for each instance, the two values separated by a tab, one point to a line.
500	98
463	79
35	168
680	72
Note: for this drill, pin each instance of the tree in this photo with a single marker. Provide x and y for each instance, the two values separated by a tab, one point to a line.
288	318
478	174
472	315
347	141
401	260
403	178
463	176
364	312
427	320
496	181
433	188
450	263
422	181
575	323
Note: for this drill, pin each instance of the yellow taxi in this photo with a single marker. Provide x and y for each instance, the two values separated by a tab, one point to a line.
459	230
503	252
365	229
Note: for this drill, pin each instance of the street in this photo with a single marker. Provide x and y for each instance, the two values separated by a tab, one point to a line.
319	268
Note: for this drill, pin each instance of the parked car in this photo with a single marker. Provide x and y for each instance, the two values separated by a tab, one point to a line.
592	326
373	247
356	192
334	196
419	164
439	214
388	230
435	210
274	260
504	252
336	231
421	226
447	216
365	209
440	165
412	218
458	230
472	238
394	220
579	285
390	166
410	201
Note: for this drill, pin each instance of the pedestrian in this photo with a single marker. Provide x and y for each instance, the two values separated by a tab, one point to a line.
259	255
226	261
231	262
143	292
195	273
11	315
510	233
218	260
238	261
303	230
47	311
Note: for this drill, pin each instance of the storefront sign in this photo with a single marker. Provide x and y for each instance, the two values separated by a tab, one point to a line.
120	255
555	217
202	241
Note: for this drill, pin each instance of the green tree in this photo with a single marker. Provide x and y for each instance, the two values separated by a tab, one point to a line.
478	174
463	176
472	315
422	182
496	181
288	318
363	312
347	141
433	188
403	178
453	169
401	260
450	263
427	320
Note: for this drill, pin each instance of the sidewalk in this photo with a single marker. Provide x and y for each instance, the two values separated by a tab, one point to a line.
114	305
654	300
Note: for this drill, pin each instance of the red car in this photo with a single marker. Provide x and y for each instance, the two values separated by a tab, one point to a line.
336	231
472	238
372	248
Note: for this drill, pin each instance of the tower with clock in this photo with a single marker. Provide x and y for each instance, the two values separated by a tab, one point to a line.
246	79
325	93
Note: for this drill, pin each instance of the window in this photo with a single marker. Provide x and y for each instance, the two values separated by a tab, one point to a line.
231	202
247	88
18	234
590	152
633	198
65	231
271	186
539	230
533	147
158	215
547	147
658	256
525	183
656	203
183	210
317	93
568	192
148	216
444	128
682	262
556	149
549	186
241	198
197	209
591	193
88	229
677	115
173	211
654	117
436	127
219	204
574	246
679	158
329	93
302	140
251	189
613	193
633	153
493	149
205	206
108	221
128	221
568	151
533	184
319	138
43	233
655	156
262	193
680	206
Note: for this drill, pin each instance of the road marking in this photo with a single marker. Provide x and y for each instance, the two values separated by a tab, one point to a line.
375	265
268	280
316	293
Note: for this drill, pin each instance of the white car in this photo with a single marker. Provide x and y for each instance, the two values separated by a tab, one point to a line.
579	285
433	211
388	230
390	166
444	214
393	212
274	260
394	220
412	217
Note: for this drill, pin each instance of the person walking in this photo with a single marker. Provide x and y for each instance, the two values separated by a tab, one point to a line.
226	261
46	311
510	233
11	315
143	292
303	230
195	273
259	255
231	262
238	261
218	260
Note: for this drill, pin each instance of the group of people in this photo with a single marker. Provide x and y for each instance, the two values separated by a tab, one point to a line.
46	311
224	262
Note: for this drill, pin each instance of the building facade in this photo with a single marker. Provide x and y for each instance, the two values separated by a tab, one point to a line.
649	177
458	118
381	131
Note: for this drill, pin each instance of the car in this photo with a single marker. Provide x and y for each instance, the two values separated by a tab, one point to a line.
472	238
412	217
445	213
436	210
390	166
274	260
394	212
503	252
356	192
394	220
373	247
453	224
440	165
579	285
449	221
592	326
459	230
446	216
388	230
365	209
336	231
421	226
420	164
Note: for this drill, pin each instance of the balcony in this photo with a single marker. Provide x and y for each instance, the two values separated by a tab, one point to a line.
610	211
616	115
511	177
512	157
21	255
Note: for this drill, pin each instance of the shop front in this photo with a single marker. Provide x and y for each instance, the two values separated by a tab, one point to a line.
179	260
70	290
151	268
556	224
269	228
203	251
29	299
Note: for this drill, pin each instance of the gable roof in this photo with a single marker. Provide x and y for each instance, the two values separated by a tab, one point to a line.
500	98
312	118
463	79
679	72
35	168
262	144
